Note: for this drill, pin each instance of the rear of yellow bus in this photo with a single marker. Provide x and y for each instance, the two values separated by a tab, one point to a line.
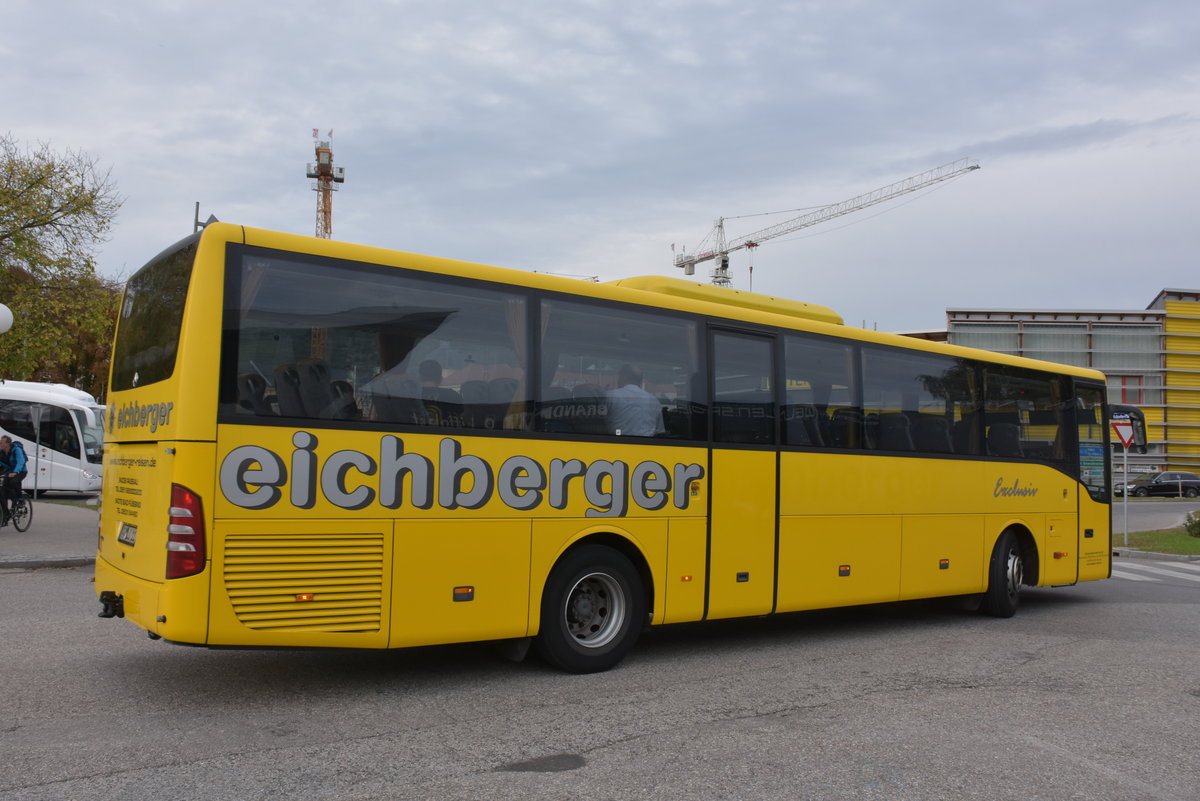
152	560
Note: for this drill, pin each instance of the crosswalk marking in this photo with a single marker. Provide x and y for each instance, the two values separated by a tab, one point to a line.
1118	573
1165	572
1134	571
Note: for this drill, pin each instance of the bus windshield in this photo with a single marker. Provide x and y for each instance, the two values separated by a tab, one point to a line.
151	316
93	435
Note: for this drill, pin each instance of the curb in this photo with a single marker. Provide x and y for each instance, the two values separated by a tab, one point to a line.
23	562
1133	553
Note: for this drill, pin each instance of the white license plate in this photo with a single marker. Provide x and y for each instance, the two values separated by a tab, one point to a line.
127	534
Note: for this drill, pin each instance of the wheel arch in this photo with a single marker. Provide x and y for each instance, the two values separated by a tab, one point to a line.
609	539
627	548
1029	551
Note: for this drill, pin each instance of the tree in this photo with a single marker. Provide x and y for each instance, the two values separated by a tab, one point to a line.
62	330
54	211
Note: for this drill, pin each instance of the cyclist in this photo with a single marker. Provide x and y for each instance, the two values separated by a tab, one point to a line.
12	467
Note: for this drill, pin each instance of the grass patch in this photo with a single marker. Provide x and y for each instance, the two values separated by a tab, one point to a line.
1172	540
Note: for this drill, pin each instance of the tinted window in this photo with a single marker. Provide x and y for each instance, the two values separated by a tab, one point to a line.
150	320
1023	413
918	402
345	341
821	399
57	428
621	372
15	419
743	406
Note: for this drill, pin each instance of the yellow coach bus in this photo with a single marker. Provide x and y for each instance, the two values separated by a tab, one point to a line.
312	443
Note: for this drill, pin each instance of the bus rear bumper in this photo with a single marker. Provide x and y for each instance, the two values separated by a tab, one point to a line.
126	596
173	609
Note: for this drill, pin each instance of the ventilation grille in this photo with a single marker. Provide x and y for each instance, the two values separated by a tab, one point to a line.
306	582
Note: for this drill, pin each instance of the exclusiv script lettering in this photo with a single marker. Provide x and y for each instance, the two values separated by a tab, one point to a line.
254	477
1012	490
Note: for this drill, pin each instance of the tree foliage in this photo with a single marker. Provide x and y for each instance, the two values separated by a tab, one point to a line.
62	330
55	209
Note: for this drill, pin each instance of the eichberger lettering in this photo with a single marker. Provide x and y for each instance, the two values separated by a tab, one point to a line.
254	477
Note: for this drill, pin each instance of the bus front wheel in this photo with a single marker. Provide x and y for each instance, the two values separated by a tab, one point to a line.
592	610
1006	573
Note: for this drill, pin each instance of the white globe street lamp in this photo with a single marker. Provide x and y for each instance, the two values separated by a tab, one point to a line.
6	318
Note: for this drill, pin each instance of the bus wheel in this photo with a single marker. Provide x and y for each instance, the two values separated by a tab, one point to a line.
1006	572
592	610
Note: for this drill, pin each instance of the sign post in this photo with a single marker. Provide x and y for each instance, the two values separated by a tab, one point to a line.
1122	426
35	417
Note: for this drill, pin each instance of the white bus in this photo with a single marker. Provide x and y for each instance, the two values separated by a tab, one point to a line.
67	455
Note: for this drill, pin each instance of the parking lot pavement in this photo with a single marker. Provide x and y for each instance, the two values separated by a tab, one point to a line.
61	534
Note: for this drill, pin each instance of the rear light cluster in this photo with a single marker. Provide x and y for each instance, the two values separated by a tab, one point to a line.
186	552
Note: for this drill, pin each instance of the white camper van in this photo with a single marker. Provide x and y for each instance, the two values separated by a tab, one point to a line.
66	456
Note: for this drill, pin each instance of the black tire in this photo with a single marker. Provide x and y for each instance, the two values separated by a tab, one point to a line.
1191	492
593	609
1141	492
22	514
1006	573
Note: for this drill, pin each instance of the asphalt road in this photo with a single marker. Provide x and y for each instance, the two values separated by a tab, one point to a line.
1150	514
1089	692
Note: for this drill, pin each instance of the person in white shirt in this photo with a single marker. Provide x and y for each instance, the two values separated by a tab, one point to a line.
632	411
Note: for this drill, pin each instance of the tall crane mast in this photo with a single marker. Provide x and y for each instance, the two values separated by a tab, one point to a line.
326	176
721	248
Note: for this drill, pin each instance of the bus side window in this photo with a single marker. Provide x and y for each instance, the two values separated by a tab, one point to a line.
619	372
821	394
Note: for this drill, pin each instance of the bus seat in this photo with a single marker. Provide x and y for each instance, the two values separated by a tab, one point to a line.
895	432
474	392
932	434
966	434
252	389
800	425
399	402
1004	439
287	391
845	428
318	395
502	390
346	404
476	411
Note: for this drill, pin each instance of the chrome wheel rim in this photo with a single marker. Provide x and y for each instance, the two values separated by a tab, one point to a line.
1015	572
595	610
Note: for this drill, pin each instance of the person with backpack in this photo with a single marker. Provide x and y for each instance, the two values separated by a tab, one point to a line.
13	468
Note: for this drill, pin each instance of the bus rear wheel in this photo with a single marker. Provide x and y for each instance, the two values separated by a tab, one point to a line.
592	610
1006	573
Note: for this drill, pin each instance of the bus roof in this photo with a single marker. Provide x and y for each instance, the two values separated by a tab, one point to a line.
37	391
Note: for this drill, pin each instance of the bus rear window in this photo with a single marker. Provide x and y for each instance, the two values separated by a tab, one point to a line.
151	316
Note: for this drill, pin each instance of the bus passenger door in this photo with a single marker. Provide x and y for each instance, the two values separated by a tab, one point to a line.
742	477
47	473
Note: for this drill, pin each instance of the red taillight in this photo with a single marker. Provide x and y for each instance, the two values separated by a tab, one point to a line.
185	534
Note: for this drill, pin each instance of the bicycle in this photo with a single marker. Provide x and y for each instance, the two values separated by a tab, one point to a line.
22	509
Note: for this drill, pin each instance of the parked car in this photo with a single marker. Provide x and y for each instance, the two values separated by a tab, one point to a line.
1172	483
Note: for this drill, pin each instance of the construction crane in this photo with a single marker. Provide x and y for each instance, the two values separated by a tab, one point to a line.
326	176
721	248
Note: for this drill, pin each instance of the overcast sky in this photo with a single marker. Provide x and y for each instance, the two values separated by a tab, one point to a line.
586	137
